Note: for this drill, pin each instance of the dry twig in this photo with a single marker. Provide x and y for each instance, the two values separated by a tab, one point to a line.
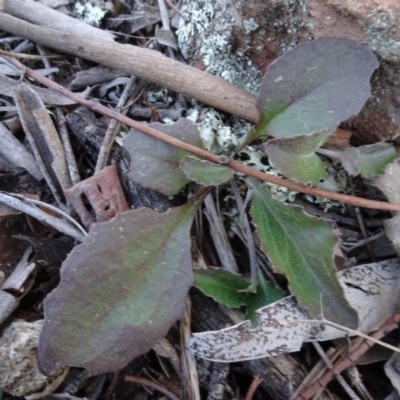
350	358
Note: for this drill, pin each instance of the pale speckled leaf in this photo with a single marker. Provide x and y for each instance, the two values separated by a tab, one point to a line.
295	157
155	164
204	172
281	328
314	86
301	247
120	291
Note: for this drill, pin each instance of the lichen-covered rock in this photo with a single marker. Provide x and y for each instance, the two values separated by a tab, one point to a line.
19	370
282	24
229	37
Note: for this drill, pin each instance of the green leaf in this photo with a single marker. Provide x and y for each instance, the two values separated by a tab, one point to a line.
223	286
266	293
314	86
374	158
155	164
301	247
369	161
295	157
205	172
120	291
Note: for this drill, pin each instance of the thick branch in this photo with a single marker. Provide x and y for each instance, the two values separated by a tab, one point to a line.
144	63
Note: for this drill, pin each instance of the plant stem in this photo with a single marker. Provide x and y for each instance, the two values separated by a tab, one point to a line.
235	165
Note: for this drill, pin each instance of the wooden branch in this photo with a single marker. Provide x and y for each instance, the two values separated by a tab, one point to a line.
147	64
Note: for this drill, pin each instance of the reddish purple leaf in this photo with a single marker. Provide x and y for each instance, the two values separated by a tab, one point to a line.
120	291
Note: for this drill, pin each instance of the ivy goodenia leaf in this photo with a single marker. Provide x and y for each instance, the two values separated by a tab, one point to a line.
223	286
374	158
301	247
314	86
369	160
295	157
232	290
120	291
205	172
155	164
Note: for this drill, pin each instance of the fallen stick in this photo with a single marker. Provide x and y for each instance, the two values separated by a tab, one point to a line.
97	45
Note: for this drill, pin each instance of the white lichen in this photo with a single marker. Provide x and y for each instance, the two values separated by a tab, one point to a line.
200	34
90	12
250	25
199	15
223	138
159	96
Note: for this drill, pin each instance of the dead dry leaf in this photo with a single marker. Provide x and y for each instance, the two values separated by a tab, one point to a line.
17	153
104	193
44	139
283	327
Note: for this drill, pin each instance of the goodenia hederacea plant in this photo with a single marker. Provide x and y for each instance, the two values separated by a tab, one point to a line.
301	247
120	291
124	286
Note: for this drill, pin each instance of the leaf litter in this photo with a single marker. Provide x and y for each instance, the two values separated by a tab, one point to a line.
284	325
90	321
